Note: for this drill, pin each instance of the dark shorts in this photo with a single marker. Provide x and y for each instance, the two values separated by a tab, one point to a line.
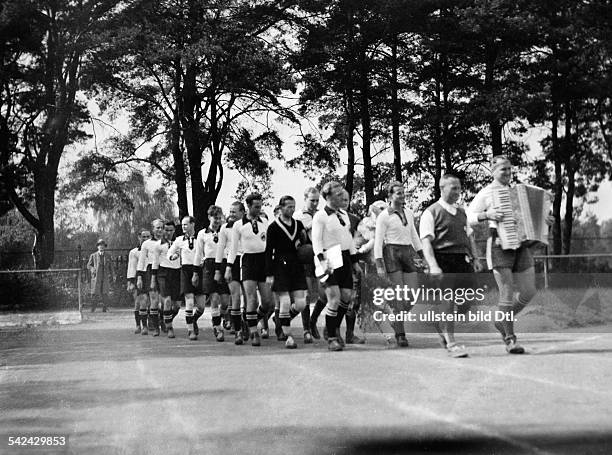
236	275
169	281
399	258
146	282
209	285
253	267
518	260
457	273
186	274
342	277
289	277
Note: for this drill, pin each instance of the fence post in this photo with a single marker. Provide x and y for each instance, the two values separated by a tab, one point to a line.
79	291
546	268
80	257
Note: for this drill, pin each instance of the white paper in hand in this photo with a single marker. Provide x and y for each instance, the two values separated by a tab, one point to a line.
333	257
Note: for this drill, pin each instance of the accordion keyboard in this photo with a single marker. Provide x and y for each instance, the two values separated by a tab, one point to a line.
506	228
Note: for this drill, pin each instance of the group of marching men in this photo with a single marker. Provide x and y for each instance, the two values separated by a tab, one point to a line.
249	268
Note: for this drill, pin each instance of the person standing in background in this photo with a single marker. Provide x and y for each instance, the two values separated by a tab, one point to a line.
101	269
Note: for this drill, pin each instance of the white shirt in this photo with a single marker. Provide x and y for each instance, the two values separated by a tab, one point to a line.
390	229
306	219
132	268
147	252
427	226
206	247
244	237
160	257
185	246
327	231
225	243
481	202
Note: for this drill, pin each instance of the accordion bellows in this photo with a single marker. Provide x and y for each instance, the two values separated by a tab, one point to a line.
525	208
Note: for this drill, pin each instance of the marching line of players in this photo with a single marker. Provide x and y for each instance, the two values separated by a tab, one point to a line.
250	268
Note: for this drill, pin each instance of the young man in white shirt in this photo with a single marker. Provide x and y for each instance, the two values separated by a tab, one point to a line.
145	283
232	276
207	243
168	276
184	247
509	266
249	235
451	253
395	240
132	272
315	293
330	228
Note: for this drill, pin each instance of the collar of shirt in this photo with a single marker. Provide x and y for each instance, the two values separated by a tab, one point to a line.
402	215
246	219
452	209
331	211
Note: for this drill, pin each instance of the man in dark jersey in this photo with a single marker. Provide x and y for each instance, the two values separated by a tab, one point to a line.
284	272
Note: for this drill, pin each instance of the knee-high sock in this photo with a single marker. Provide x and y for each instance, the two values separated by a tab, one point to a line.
216	317
154	318
236	316
175	312
137	317
168	318
189	302
285	313
331	321
317	310
342	309
306	317
142	313
251	318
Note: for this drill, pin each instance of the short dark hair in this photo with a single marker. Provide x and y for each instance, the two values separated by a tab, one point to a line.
215	210
391	187
327	189
191	219
170	223
252	198
284	200
239	204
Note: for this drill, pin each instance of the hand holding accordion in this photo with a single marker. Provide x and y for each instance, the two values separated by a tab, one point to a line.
525	209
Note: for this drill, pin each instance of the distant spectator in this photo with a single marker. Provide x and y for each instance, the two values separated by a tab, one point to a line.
101	269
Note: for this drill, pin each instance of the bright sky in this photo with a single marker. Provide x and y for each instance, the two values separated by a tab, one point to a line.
286	181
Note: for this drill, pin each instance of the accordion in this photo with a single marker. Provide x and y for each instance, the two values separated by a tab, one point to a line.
524	209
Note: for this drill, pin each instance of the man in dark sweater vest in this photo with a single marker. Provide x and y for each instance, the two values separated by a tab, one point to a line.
284	272
450	252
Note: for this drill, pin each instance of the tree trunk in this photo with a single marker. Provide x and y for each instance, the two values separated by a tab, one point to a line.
180	178
350	134
395	114
570	172
191	133
558	185
495	125
496	137
368	176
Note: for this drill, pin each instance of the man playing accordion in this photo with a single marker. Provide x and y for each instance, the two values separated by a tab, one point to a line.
510	266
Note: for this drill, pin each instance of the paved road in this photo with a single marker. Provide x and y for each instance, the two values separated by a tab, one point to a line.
115	392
